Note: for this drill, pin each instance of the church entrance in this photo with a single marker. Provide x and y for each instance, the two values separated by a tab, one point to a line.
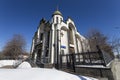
72	50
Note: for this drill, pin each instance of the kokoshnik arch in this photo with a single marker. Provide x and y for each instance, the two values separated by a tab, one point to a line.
56	37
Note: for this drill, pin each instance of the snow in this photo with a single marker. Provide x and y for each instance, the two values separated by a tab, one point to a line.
25	72
9	62
92	66
37	74
24	65
6	62
87	78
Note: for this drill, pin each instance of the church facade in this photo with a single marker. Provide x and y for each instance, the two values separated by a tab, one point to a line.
57	37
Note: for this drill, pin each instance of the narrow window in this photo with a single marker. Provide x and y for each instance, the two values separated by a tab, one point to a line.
61	19
46	55
41	36
57	19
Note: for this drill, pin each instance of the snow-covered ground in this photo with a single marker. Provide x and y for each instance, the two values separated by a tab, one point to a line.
26	72
6	62
92	66
9	62
24	65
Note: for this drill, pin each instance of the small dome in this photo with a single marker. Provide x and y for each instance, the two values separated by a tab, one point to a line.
57	13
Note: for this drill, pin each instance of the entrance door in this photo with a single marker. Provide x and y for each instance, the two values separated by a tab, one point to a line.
72	50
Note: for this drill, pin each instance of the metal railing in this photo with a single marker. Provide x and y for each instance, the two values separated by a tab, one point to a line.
85	58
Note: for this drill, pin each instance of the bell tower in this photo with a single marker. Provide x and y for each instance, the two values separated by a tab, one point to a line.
57	17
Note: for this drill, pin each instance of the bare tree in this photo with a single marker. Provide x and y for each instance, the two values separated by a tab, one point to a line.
14	47
115	43
1	55
96	38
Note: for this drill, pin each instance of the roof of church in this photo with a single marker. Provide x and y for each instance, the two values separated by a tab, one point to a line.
57	12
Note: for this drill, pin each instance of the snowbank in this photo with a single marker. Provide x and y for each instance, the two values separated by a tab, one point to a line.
6	62
24	65
37	74
9	62
25	72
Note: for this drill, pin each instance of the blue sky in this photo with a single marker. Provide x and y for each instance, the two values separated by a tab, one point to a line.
23	16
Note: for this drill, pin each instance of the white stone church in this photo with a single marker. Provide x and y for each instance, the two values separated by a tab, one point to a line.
57	37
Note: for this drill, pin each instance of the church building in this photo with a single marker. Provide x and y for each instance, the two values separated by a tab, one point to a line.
56	37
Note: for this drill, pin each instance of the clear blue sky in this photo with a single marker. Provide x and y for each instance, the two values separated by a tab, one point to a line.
23	16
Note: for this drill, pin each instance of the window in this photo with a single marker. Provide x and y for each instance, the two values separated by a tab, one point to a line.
46	55
56	19
62	52
61	19
70	35
41	36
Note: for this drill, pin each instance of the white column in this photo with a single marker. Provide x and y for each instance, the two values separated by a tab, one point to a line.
52	44
35	57
32	48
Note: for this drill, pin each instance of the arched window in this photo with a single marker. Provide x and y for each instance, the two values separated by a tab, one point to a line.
71	38
71	35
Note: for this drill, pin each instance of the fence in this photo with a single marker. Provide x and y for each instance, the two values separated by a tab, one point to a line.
67	61
86	58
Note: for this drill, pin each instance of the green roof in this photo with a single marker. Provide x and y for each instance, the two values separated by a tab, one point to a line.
57	13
